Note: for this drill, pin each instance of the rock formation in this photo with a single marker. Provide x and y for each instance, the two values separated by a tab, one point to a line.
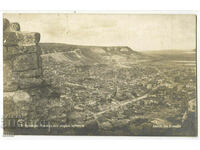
6	24
189	118
22	67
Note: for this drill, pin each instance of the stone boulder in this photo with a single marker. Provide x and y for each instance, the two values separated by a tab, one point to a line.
17	50
6	24
14	26
120	123
17	96
26	83
106	125
160	123
31	73
10	80
192	105
189	119
144	128
92	125
25	62
20	38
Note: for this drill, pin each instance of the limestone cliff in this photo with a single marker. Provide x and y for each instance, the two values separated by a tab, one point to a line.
22	67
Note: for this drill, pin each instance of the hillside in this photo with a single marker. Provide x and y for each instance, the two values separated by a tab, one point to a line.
117	55
61	47
117	86
115	90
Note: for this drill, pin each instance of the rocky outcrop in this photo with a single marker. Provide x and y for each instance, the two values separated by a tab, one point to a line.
22	69
6	24
189	119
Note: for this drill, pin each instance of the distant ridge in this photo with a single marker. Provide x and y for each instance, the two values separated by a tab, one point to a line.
63	47
117	55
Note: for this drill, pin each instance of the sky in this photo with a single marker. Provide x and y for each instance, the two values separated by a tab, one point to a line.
138	31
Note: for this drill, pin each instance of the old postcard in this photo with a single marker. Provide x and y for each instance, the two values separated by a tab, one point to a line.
99	74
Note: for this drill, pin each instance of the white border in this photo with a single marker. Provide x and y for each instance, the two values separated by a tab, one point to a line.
1	76
106	11
56	142
100	5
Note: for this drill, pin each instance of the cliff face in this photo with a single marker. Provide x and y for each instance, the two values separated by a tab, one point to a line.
22	61
22	68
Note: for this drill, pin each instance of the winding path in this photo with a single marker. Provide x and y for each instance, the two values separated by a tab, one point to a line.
121	104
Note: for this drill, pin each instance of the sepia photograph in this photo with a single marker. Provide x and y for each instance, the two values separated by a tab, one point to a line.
100	74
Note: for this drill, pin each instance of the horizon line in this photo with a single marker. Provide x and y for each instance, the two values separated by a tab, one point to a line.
119	46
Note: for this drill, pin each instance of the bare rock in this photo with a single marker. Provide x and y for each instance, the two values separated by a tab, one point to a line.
27	39
6	24
191	110
106	125
192	105
6	55
10	39
20	38
31	73
10	86
160	122
92	125
120	123
30	83
25	62
17	96
14	26
75	116
10	80
16	50
142	129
